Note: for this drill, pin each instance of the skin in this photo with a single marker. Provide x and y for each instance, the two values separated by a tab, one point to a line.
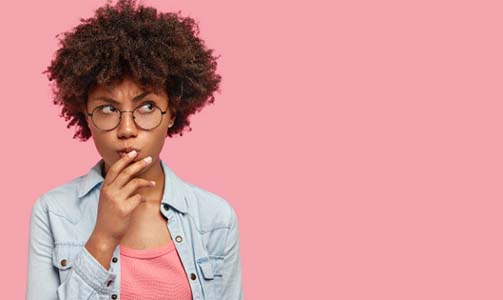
128	209
150	143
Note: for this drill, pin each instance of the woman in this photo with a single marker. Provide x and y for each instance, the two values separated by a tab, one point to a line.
130	228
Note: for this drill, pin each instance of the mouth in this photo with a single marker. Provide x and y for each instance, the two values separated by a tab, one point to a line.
125	151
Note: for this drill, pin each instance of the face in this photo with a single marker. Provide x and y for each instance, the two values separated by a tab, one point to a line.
127	134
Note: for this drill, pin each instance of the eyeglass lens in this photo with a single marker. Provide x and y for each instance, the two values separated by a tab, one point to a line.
107	117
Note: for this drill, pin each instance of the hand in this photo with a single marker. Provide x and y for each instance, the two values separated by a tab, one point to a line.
117	198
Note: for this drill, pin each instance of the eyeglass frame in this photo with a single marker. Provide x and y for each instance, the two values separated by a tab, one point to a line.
90	114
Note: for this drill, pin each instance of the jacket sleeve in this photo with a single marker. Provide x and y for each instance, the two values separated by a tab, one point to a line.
86	279
232	288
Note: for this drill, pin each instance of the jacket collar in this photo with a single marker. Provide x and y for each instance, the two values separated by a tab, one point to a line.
173	194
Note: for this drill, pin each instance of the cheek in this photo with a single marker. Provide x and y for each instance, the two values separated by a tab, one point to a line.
158	139
103	146
100	146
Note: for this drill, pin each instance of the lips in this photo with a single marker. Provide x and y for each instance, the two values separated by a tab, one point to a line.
126	150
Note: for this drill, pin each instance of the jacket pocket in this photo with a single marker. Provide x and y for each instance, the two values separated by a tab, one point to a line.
210	268
63	257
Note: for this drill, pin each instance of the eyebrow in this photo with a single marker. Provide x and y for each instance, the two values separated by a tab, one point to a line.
135	99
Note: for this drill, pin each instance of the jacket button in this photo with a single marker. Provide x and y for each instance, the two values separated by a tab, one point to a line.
114	296
114	259
165	206
178	239
63	262
193	276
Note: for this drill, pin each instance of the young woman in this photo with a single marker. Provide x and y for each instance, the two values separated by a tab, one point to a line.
130	228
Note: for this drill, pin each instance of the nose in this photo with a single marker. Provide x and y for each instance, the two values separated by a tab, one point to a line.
127	127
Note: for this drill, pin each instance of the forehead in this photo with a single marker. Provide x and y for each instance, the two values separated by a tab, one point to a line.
126	88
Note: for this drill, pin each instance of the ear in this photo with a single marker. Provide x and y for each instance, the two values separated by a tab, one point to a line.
171	123
172	114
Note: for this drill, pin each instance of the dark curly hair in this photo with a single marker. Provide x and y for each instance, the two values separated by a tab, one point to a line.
159	51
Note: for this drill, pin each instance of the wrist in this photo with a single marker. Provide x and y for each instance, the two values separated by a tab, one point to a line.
102	242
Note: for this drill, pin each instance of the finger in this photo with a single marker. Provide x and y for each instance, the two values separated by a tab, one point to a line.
127	174
132	202
135	184
118	166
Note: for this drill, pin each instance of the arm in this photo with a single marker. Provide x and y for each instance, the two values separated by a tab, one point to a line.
232	288
86	275
43	278
86	278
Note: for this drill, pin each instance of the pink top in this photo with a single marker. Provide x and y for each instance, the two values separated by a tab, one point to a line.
153	274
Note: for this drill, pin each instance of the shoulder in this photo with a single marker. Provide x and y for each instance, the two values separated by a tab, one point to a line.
61	200
210	210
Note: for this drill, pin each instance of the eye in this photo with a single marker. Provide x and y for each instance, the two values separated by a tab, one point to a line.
107	109
146	107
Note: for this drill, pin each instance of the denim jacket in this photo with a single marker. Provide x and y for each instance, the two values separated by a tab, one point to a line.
203	225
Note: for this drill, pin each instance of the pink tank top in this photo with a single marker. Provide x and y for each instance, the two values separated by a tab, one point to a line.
153	274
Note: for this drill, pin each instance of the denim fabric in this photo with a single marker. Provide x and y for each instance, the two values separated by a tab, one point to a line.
203	225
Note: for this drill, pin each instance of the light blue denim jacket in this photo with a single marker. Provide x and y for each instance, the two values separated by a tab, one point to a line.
203	226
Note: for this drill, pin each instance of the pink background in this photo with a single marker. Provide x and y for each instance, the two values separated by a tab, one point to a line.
360	143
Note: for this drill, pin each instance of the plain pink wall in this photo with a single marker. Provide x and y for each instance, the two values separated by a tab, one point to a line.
359	142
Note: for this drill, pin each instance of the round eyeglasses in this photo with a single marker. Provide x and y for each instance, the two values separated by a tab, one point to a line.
146	116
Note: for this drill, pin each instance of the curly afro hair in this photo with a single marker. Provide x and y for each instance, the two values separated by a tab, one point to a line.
159	51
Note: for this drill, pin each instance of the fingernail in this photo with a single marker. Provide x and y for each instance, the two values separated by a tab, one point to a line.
132	153
152	182
148	159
